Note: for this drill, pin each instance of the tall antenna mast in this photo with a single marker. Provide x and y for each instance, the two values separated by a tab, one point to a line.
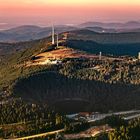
53	35
57	40
100	55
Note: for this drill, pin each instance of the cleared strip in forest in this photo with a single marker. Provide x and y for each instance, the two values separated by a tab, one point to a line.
39	135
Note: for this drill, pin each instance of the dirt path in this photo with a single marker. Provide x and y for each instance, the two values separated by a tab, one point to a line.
39	135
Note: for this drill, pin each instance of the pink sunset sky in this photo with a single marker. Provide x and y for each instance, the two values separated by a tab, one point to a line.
43	12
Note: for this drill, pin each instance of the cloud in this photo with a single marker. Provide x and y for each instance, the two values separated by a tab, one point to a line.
3	23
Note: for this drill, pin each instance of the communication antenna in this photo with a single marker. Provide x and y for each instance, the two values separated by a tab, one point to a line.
53	35
57	40
100	56
139	56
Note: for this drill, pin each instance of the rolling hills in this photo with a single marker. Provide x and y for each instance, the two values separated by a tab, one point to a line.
115	25
73	78
33	32
30	32
87	40
107	43
131	49
105	38
31	96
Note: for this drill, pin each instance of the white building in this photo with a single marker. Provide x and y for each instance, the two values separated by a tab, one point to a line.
51	62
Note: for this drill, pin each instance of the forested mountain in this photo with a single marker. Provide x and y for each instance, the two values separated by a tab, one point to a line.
35	92
90	41
116	25
38	84
30	32
12	48
108	43
130	49
49	86
105	38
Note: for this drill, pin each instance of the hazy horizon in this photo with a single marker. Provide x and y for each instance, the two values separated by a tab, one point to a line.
41	12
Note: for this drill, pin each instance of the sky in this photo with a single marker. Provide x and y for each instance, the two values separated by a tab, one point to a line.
44	12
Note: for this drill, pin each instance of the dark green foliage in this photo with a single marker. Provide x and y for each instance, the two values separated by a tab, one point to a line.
106	49
12	65
115	121
31	118
105	71
51	87
76	127
129	132
105	38
28	92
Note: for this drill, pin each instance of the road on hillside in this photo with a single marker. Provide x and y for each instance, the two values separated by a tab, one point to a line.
39	135
102	116
132	117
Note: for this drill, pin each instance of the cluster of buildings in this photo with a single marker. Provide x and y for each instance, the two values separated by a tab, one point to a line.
95	116
52	62
84	116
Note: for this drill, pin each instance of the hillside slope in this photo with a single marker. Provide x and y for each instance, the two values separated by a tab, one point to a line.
30	32
108	43
43	84
51	88
105	38
116	25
